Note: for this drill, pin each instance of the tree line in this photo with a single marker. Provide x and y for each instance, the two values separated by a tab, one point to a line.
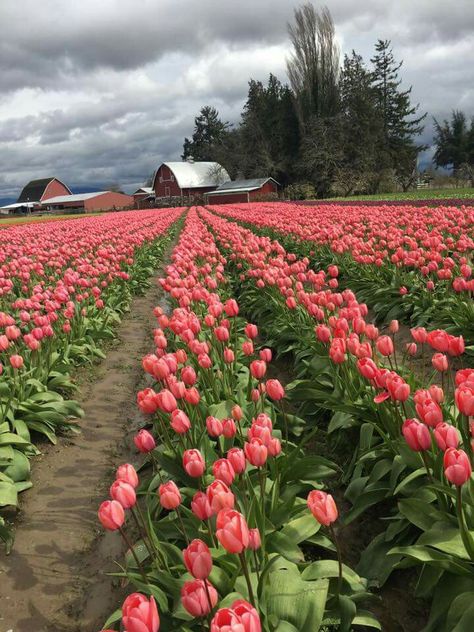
339	127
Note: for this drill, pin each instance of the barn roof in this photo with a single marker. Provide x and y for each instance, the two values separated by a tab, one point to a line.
241	186
147	190
190	175
78	197
35	189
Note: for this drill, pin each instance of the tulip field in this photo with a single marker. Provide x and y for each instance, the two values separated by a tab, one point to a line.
307	408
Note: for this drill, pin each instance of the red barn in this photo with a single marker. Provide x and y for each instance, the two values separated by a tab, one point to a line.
143	194
236	191
37	191
188	179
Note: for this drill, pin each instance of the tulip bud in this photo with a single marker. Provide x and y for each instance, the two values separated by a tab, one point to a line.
140	614
232	531
457	468
124	493
193	463
144	441
197	559
170	496
323	507
194	597
111	515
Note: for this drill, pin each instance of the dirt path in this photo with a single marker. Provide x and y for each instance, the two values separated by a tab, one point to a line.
55	578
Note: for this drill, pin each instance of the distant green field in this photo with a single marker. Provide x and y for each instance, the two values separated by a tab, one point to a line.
10	220
419	194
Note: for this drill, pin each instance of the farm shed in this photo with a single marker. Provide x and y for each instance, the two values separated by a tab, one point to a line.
97	201
236	191
143	193
187	179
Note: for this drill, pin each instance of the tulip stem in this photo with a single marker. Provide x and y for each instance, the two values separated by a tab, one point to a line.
141	532
178	513
285	420
132	550
245	569
208	596
339	560
465	535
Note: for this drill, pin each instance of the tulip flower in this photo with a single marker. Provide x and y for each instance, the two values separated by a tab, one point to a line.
416	435
232	531
144	441
198	597
180	421
197	559
464	397
219	496
236	456
274	390
222	469
457	468
323	507
440	362
446	436
170	496
384	345
140	614
111	515
201	506
258	368
226	620
256	452
248	615
124	493
193	463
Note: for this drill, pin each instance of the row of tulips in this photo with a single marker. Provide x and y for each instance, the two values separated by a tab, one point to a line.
415	434
63	287
222	514
406	263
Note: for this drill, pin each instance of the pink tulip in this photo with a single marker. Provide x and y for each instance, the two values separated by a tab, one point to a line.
226	620
236	456
323	507
111	515
144	441
194	597
197	559
274	390
180	421
232	531
248	615
140	614
416	435
446	436
457	467
193	463
170	497
222	469
124	493
201	507
220	496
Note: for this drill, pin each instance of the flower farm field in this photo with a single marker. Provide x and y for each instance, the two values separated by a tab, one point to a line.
280	438
466	193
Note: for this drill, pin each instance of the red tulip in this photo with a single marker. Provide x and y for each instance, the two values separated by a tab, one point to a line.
228	428
274	390
201	507
254	539
16	361
256	452
457	467
248	615
180	421
446	436
166	401
127	472
232	530
464	397
323	507
236	456
197	559
194	597
237	412
170	497
251	331
124	493
220	496
226	620
258	368
193	463
416	435
144	441
214	426
111	515
440	362
140	614
385	345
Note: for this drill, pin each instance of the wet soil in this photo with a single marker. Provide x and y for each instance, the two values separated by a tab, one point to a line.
56	578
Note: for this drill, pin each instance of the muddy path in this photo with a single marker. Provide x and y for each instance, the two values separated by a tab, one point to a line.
55	579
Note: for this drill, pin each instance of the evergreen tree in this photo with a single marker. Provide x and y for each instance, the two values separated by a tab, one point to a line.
361	127
399	123
454	141
209	131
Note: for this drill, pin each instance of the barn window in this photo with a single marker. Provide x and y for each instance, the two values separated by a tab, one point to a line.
172	178
161	178
167	191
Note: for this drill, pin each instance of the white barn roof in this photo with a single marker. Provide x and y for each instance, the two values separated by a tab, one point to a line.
191	175
78	197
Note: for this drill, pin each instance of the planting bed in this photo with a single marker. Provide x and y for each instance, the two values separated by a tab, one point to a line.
305	453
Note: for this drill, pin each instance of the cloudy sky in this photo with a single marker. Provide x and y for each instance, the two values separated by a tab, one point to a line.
97	92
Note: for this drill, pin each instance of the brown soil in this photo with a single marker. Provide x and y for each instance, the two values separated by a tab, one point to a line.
55	579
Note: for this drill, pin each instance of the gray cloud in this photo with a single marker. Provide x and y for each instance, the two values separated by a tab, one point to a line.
100	92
